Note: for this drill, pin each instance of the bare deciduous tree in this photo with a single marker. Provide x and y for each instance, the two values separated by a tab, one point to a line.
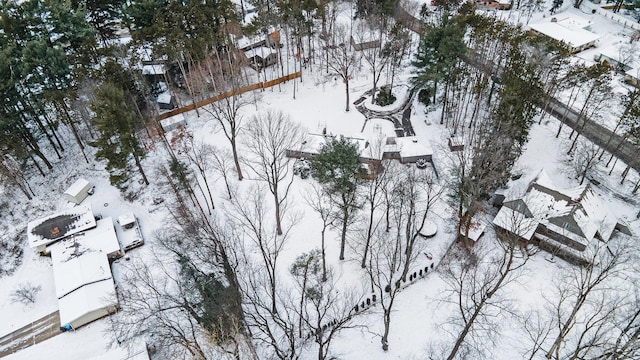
325	310
585	159
384	271
475	279
222	162
12	172
579	300
269	136
317	200
342	60
253	229
25	293
227	80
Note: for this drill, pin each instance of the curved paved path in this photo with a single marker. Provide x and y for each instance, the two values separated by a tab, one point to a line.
400	116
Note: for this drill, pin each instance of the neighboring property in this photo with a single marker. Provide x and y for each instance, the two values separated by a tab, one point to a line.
571	29
261	57
500	4
173	122
569	222
154	72
625	59
455	143
166	101
79	191
260	53
82	246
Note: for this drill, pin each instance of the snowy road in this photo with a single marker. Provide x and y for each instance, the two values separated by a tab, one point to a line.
38	331
598	134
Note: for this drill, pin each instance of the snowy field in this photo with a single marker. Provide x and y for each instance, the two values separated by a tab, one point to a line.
420	317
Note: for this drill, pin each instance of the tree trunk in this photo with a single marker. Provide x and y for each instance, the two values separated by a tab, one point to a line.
343	235
206	184
363	264
387	326
324	257
346	83
465	331
235	157
139	165
74	130
277	206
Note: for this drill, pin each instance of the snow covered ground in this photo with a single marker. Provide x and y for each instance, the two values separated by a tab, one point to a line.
419	321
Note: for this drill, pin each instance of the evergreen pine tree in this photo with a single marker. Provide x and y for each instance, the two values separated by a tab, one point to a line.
117	143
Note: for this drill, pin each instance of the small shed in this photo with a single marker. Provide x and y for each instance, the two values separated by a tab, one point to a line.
455	143
166	101
476	230
173	122
154	72
77	192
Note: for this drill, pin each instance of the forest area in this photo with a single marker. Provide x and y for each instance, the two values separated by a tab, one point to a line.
262	256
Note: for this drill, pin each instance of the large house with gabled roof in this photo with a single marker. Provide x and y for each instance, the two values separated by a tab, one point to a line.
572	222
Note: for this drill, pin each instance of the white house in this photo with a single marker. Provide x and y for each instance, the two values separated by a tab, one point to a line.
625	58
571	29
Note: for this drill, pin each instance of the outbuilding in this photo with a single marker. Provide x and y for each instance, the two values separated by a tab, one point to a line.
166	101
173	122
79	191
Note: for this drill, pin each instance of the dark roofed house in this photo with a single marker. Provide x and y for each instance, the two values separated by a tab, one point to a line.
571	222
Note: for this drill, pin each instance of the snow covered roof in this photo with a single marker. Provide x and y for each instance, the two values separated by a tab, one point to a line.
87	299
57	226
476	229
171	123
102	239
77	187
410	146
126	219
81	272
261	51
571	21
77	271
314	142
515	217
577	213
574	37
157	69
164	98
627	55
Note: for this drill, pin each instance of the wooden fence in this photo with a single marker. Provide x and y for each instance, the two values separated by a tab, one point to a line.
242	90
